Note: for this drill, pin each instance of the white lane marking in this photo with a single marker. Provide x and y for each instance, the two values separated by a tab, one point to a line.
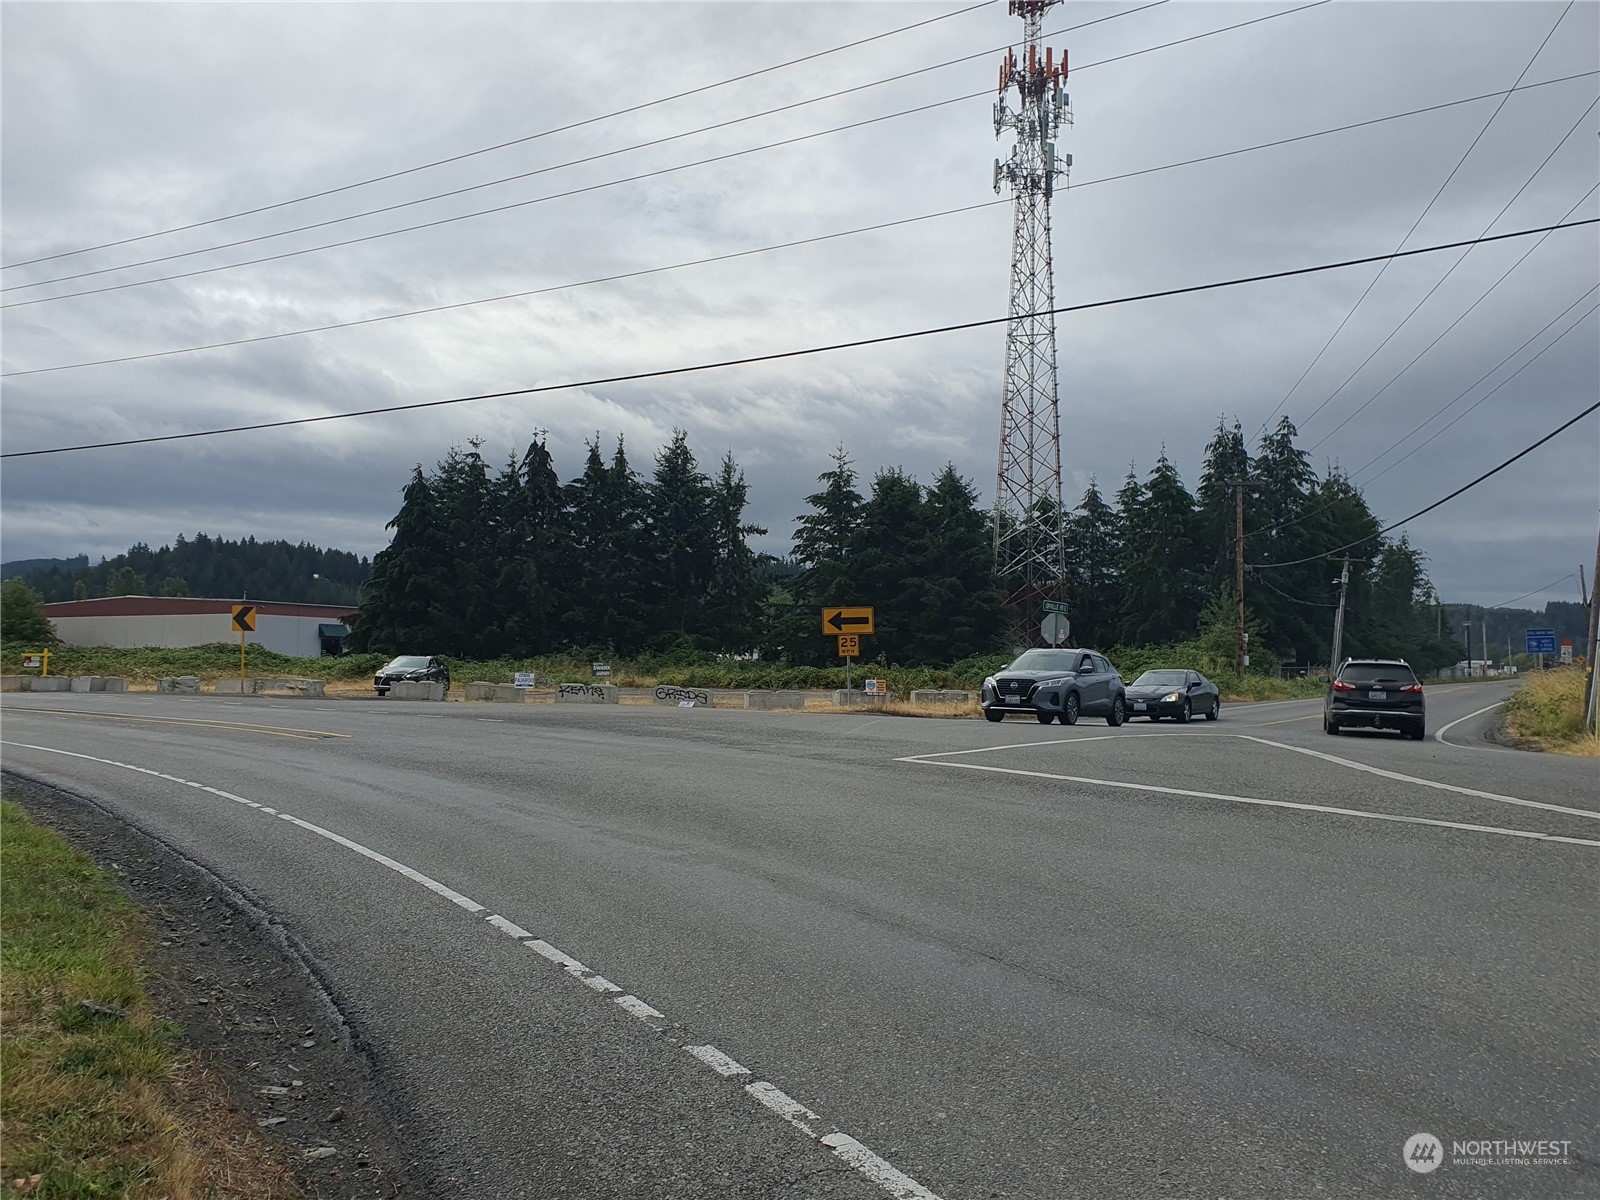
540	946
790	1110
897	1183
1433	783
505	926
1438	734
717	1061
639	1008
850	1151
1318	808
1099	737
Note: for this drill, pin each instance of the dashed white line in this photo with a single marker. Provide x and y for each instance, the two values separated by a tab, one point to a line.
893	1181
717	1061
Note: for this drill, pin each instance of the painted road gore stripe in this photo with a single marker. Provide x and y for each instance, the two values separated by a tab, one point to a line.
893	1181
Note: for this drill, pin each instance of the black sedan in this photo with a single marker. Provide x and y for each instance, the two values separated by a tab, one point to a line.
411	668
1176	694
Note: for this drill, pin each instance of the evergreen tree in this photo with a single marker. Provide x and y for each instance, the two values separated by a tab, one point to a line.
534	568
824	550
1161	597
683	540
407	606
1094	554
732	611
470	531
611	549
22	618
1227	463
958	611
889	568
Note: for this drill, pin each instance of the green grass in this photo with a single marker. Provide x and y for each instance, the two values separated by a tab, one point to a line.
89	1100
1548	709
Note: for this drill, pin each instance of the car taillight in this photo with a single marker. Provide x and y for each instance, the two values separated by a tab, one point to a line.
1340	685
1413	688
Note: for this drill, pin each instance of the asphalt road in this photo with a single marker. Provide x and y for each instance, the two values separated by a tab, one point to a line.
1230	959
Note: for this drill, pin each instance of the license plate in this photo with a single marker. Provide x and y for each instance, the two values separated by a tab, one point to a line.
1138	706
1013	699
1377	695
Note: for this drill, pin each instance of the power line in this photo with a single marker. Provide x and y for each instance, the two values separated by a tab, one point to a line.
1420	218
780	245
439	162
1547	587
590	188
1431	291
574	162
788	354
1466	487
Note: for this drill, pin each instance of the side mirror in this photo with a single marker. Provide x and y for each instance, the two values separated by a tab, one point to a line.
1194	685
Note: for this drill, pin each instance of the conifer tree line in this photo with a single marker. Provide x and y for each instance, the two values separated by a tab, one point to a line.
517	563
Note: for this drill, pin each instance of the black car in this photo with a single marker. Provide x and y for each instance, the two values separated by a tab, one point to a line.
411	668
1175	694
1375	693
1056	685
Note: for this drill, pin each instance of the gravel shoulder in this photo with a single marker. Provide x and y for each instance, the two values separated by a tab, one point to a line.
252	1009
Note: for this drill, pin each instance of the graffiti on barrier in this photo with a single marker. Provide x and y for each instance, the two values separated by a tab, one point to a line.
582	689
678	694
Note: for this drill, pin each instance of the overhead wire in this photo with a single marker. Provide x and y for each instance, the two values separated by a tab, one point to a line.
543	133
1367	291
1536	591
776	356
323	328
586	189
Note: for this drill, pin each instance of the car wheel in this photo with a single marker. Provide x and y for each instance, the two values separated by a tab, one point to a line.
1420	733
991	714
1044	717
1216	709
1329	727
1069	710
1118	713
1183	715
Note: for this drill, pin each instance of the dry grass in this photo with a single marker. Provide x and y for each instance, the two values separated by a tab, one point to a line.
1548	711
101	1104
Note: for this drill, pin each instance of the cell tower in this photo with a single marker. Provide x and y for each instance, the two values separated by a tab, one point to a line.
1028	551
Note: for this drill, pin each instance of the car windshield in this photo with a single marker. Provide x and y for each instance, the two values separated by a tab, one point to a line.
1366	674
407	663
1045	660
1160	679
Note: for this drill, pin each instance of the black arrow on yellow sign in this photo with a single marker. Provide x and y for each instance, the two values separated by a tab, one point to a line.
244	618
840	620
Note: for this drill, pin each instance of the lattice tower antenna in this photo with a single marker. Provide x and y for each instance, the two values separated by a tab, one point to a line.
1028	549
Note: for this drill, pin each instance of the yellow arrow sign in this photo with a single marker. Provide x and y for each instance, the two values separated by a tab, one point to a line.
847	620
244	618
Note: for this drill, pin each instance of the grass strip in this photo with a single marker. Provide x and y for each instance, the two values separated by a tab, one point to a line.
100	1099
1548	711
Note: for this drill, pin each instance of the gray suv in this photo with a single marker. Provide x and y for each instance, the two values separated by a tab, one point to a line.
1375	693
1057	685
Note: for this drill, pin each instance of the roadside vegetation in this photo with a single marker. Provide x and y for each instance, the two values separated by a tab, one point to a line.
100	1099
1548	710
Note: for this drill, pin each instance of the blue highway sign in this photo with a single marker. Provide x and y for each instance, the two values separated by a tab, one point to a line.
1541	641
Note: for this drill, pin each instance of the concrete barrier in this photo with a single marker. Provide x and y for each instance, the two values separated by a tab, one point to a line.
113	684
416	689
769	700
234	687
587	693
86	683
14	683
496	693
300	687
862	699
178	683
671	694
480	689
49	683
935	696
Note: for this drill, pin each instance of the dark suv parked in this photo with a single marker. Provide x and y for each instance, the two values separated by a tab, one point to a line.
411	668
1056	685
1375	693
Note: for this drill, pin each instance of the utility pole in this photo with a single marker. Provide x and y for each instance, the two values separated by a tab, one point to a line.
1338	620
1241	637
1591	701
1029	550
1467	625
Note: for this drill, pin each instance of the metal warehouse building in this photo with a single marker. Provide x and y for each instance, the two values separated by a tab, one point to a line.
304	630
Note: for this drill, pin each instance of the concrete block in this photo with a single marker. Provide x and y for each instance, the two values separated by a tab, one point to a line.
14	683
114	684
855	699
670	694
587	693
496	693
234	687
86	683
416	690
178	683
49	683
300	687
481	690
935	696
770	700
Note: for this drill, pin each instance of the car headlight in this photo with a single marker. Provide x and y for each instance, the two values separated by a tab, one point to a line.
989	684
1171	698
1045	683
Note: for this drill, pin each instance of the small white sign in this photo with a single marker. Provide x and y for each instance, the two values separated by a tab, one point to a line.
685	703
1566	653
523	679
601	670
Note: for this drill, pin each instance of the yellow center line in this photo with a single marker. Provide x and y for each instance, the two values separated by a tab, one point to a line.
305	735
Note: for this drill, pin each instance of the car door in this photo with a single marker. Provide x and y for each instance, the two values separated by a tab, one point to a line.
1091	687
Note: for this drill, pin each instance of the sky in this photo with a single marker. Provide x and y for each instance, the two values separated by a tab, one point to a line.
126	120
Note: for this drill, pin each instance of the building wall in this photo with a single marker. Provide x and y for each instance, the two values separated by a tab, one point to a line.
133	621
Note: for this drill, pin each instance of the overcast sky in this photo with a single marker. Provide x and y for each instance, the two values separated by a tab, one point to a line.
123	120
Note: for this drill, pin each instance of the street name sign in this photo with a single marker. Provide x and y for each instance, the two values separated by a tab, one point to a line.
1541	641
244	618
847	620
1055	606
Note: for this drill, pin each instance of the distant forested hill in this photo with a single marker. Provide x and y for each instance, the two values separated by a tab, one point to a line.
203	566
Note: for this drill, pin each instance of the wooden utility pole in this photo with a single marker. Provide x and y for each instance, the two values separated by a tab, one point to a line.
1240	636
1591	703
1338	620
